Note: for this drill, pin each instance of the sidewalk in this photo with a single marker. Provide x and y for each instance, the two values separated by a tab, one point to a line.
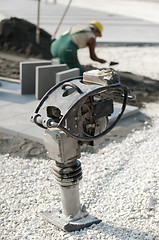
124	21
142	9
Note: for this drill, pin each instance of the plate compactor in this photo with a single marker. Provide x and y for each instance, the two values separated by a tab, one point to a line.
76	113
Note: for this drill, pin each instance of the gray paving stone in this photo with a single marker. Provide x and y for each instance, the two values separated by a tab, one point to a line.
27	75
70	73
46	78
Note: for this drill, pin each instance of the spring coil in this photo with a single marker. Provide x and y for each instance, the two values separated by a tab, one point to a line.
68	176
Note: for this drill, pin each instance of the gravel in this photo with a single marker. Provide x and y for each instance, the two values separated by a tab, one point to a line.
120	186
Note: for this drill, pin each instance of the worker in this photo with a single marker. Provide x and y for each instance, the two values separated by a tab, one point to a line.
65	48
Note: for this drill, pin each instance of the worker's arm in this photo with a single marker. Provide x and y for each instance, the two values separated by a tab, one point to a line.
91	44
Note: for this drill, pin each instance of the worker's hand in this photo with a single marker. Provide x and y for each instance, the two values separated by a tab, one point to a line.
102	61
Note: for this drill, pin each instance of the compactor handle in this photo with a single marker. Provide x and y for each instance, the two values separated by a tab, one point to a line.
73	86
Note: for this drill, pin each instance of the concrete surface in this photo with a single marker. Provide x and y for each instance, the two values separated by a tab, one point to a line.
16	110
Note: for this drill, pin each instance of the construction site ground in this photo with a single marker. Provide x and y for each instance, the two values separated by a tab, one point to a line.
129	37
120	182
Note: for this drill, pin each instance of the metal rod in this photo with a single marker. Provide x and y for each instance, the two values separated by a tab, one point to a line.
38	23
70	200
61	20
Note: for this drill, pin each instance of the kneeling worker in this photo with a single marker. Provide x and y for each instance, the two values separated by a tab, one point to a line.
65	48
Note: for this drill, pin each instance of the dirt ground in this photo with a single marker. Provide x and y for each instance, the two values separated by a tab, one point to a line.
145	91
18	36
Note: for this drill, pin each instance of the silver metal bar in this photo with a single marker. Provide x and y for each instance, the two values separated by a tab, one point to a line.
70	200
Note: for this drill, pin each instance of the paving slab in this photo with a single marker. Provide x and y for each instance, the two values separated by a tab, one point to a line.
27	75
46	78
70	73
16	110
